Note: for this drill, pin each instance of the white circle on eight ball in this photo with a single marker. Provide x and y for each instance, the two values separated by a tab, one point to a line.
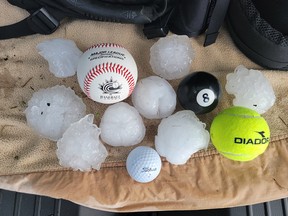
205	97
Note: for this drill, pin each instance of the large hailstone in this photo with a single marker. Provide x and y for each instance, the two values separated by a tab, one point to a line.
171	57
122	125
51	111
80	147
251	89
154	98
181	135
62	56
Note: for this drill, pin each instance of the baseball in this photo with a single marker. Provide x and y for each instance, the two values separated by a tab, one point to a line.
107	73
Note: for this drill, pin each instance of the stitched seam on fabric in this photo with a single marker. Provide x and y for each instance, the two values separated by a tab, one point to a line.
121	164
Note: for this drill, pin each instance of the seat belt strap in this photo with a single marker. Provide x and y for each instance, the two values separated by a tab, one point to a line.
216	21
41	21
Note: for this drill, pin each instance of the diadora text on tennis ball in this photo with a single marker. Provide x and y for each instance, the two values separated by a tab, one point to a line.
240	133
107	73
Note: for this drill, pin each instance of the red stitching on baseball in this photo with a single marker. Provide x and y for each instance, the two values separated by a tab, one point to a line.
103	45
106	68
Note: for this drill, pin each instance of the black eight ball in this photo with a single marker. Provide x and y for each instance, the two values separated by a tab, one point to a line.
199	92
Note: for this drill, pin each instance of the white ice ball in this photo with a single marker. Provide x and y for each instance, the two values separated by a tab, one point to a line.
51	111
80	147
181	135
171	57
122	125
251	89
62	56
154	98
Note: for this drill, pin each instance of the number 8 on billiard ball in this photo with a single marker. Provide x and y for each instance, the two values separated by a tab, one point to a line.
199	92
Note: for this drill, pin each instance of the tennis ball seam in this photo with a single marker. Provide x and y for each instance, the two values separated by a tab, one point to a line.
241	115
235	154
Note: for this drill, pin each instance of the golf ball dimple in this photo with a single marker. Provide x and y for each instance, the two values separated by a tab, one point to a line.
143	164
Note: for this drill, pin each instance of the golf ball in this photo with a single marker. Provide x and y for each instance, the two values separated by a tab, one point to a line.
143	164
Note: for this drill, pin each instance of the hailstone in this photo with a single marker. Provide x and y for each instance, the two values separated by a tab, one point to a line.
80	147
51	111
154	98
171	57
181	135
122	125
62	56
251	89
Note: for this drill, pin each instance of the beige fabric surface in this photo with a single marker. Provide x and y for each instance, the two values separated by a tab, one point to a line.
28	163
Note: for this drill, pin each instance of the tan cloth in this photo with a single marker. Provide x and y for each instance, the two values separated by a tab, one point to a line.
28	163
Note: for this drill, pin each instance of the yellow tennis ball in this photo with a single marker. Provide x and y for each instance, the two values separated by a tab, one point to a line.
240	134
